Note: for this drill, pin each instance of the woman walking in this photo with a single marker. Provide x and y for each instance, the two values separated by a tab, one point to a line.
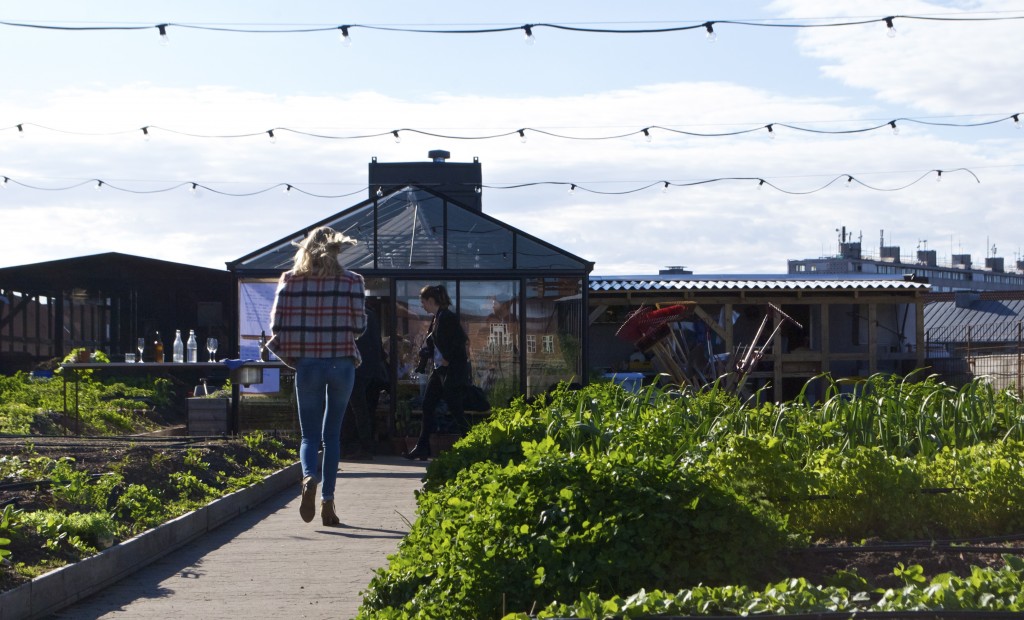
317	315
446	349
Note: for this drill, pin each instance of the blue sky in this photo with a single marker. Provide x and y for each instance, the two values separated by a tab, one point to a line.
585	85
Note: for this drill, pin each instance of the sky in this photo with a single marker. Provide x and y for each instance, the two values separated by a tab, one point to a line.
82	97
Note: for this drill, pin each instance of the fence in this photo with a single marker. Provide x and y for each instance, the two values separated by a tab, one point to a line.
959	354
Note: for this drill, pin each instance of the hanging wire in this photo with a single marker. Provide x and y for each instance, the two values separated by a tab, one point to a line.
702	25
645	131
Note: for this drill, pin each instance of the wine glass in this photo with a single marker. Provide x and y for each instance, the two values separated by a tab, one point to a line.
211	348
140	344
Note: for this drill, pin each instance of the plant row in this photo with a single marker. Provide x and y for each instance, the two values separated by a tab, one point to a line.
595	494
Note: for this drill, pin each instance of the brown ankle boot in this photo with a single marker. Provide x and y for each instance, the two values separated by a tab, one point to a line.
307	507
328	514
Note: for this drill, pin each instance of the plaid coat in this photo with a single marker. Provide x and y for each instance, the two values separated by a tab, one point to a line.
317	316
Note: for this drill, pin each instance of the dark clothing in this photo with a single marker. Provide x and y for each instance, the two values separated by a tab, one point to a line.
446	382
447	336
371	378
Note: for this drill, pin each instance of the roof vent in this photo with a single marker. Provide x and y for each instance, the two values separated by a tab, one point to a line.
438	156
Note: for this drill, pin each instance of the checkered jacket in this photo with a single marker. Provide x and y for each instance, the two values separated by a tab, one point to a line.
317	316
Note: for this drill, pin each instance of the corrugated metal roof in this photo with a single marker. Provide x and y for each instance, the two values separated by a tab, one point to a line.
746	283
985	318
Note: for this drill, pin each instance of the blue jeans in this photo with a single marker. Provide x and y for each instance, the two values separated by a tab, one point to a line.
322	388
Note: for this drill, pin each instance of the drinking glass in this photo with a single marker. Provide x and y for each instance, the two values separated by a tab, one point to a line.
211	348
140	344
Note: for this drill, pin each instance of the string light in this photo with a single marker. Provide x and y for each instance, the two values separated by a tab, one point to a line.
345	39
528	35
398	138
3	184
938	178
849	180
771	132
164	39
194	190
711	36
664	189
21	131
645	131
273	138
802	23
522	135
895	129
287	191
145	133
573	187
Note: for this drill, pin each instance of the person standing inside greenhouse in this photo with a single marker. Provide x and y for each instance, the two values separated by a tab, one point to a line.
317	315
445	349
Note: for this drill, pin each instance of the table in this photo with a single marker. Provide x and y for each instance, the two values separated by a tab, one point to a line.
71	369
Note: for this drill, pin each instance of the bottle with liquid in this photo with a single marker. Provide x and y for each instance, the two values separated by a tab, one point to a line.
179	348
264	353
193	347
158	349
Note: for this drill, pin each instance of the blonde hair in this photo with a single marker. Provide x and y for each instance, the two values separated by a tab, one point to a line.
318	252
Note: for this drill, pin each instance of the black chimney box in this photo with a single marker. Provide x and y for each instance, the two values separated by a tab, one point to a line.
462	182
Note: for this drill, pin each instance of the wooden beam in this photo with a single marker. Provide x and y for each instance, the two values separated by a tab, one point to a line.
711	322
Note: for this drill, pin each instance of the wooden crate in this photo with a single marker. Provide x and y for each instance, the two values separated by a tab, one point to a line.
208	416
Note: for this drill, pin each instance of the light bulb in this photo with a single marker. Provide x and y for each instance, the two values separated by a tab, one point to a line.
712	37
21	131
287	191
522	136
664	188
890	30
273	138
938	179
398	138
3	184
345	39
895	129
760	183
528	35
380	192
478	189
1016	121
849	180
647	134
99	185
194	190
572	189
145	134
164	39
771	132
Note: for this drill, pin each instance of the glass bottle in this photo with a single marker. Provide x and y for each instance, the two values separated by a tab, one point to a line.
193	347
158	349
179	348
264	353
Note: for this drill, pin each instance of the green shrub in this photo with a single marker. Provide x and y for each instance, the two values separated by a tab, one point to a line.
555	524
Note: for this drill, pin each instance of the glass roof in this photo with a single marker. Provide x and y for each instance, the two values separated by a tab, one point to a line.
415	229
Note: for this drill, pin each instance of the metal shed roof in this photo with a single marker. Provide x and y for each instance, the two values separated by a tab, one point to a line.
747	283
989	316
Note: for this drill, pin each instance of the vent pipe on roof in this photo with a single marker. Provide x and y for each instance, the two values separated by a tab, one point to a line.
438	156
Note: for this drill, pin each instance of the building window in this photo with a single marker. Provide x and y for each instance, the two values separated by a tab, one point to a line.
549	343
531	343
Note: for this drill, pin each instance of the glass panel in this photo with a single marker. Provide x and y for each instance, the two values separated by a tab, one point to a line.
475	242
410	230
357	224
490	316
554	321
533	255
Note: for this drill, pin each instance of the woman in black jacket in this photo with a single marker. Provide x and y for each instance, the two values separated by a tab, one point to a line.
446	349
